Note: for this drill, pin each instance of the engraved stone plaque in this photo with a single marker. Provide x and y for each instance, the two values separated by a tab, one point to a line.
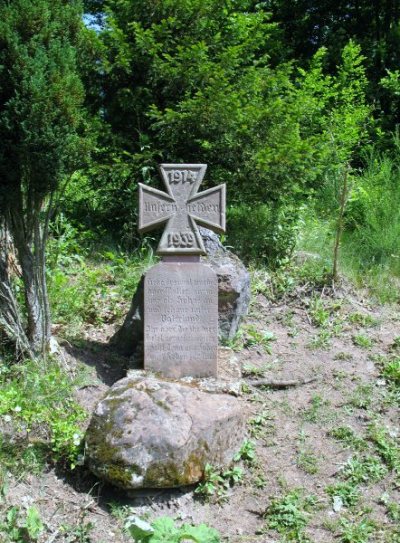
181	319
182	207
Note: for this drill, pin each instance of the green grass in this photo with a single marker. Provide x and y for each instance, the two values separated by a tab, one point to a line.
370	248
90	287
37	403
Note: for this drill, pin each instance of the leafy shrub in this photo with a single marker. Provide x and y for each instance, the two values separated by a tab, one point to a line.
164	530
38	400
263	234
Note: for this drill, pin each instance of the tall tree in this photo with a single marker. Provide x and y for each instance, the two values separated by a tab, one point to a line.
41	123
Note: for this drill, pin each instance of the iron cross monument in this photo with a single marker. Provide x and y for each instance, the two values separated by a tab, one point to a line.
180	293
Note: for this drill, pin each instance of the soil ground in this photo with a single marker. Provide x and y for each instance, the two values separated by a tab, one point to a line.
336	337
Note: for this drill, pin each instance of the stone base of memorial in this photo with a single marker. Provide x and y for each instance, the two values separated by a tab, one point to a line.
151	432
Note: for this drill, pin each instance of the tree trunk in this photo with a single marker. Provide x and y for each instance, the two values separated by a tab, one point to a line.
31	255
339	226
29	234
10	315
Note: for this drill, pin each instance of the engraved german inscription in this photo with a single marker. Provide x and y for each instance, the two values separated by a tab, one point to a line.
181	319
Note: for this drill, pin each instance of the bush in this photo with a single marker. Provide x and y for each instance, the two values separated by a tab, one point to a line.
263	234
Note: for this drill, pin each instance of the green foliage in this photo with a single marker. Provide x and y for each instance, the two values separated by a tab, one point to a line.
21	527
347	492
356	532
346	435
363	469
391	371
289	515
87	286
164	530
363	341
216	483
38	400
387	447
247	452
40	94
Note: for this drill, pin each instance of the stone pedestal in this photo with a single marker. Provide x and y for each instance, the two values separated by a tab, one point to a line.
181	319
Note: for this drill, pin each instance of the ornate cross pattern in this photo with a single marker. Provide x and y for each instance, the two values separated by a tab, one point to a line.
182	206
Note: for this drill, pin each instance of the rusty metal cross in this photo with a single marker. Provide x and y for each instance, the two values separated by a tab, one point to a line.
183	207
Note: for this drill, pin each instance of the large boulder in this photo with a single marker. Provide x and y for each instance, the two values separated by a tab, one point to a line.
233	299
153	433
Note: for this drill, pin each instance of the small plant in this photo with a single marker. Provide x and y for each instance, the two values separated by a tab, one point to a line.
216	484
289	515
322	340
395	346
362	319
319	314
249	370
40	398
343	356
346	493
363	341
386	446
356	532
247	452
317	410
257	337
260	426
391	371
362	396
347	437
365	469
79	533
165	530
307	461
21	527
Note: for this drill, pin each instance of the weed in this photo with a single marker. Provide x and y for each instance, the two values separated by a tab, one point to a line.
39	399
391	371
386	446
307	461
216	484
260	426
21	527
247	452
318	313
364	469
347	437
362	319
356	532
363	341
347	492
362	396
249	370
322	340
317	412
343	356
165	529
263	338
289	514
79	533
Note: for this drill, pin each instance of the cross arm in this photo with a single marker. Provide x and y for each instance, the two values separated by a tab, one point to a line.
208	207
155	207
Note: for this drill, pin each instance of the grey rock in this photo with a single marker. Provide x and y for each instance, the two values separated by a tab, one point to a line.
233	300
233	284
154	433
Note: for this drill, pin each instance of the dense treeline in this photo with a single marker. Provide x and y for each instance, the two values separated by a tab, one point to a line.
294	104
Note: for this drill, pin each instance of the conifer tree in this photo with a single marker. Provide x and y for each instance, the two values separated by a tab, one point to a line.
41	121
